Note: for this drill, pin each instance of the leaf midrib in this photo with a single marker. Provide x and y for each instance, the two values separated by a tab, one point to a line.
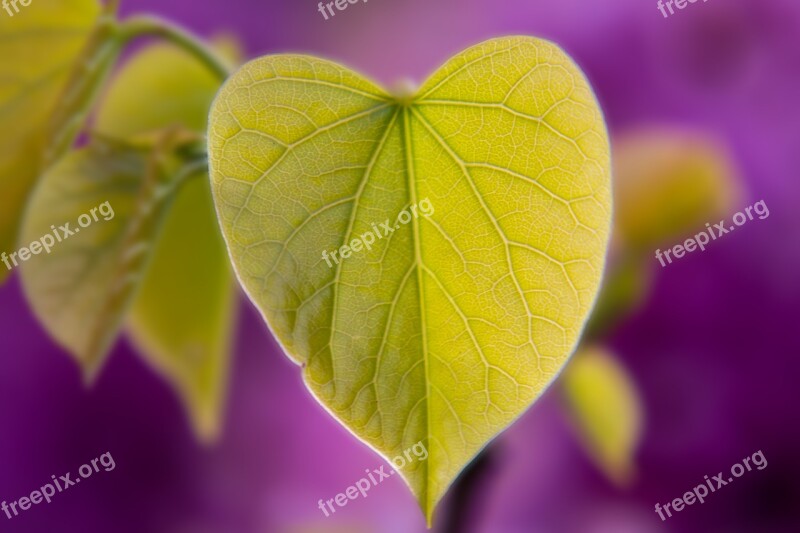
412	192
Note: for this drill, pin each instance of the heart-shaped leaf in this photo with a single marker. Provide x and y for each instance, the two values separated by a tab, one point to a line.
487	198
39	45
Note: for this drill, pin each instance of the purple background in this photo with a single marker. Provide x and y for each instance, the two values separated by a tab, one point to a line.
714	351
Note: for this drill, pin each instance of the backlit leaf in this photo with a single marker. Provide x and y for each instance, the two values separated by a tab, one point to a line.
606	409
38	47
81	289
449	327
181	320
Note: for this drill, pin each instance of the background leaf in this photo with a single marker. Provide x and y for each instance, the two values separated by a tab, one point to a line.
38	46
668	184
452	325
82	288
182	318
606	410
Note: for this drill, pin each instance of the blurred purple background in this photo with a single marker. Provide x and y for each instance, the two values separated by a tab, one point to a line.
713	351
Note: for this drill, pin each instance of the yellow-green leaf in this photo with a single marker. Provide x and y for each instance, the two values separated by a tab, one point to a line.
668	184
82	284
606	410
181	320
38	47
160	86
448	328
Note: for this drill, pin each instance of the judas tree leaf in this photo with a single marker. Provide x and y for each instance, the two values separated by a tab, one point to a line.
448	326
181	319
669	183
39	46
159	87
606	410
81	285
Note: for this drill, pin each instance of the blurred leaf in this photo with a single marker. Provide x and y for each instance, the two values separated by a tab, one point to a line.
668	184
606	409
447	329
182	317
159	87
86	80
81	290
38	47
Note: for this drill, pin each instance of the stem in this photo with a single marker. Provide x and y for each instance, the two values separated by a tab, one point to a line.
146	25
190	170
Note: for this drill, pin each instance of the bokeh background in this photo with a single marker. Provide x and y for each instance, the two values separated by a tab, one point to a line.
712	349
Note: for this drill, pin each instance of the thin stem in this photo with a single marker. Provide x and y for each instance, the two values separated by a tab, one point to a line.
146	25
190	170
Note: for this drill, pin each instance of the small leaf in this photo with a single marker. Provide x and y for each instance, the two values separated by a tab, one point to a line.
181	320
39	46
82	287
669	183
606	409
449	327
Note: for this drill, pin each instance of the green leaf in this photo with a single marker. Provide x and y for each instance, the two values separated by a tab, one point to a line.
446	330
181	320
669	183
606	410
39	46
182	317
81	288
159	87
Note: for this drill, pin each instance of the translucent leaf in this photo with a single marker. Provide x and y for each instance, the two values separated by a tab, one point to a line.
81	286
39	46
182	317
668	184
606	409
445	330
